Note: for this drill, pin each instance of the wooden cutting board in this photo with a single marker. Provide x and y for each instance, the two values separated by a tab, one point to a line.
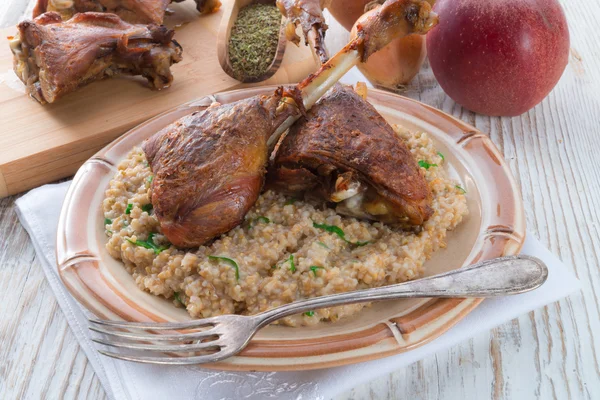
43	143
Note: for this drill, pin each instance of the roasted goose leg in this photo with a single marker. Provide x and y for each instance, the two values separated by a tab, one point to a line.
209	167
309	15
54	58
345	152
132	11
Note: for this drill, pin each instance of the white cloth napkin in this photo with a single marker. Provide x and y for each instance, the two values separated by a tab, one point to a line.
39	210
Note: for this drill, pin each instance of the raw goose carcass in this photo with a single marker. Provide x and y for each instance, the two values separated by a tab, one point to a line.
346	153
309	15
132	11
209	167
54	58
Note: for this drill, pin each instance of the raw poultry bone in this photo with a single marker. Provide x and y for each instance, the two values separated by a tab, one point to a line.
209	167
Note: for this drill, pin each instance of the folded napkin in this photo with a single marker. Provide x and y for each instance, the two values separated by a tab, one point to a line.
39	211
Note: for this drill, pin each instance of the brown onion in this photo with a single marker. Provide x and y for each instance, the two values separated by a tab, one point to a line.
346	12
396	64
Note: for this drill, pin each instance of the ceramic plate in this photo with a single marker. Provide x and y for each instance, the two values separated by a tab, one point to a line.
495	227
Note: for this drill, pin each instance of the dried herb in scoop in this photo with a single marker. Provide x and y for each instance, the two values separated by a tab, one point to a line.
253	40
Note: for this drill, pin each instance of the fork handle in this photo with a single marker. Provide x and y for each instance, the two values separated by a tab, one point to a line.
497	277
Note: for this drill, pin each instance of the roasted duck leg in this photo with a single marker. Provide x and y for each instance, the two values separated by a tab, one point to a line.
309	15
54	58
346	153
132	11
209	167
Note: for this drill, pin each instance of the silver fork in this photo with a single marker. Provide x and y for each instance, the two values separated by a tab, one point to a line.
226	335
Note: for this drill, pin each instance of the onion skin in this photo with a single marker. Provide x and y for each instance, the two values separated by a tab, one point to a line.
346	12
498	57
396	64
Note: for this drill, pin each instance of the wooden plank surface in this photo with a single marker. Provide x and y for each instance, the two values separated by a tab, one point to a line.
42	143
551	353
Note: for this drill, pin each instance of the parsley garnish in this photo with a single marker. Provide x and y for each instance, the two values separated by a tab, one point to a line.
230	262
461	189
149	244
150	178
292	265
426	165
291	201
107	221
147	207
338	231
262	219
314	269
176	295
441	155
309	313
128	209
323	245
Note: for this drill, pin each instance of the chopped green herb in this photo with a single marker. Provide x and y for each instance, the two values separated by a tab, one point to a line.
150	178
274	266
441	155
146	164
147	207
291	201
323	245
292	265
309	313
230	262
107	221
149	244
426	165
338	231
176	295
109	231
128	209
461	189
262	219
314	269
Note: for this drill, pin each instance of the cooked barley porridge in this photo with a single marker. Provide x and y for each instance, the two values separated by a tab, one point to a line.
281	253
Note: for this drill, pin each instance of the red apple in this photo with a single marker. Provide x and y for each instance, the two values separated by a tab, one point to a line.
498	57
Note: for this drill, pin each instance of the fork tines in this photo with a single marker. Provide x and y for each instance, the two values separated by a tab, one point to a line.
199	342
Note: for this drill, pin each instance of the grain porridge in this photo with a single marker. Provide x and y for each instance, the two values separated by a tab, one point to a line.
282	252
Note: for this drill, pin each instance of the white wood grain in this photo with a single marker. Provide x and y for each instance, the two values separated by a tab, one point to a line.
552	353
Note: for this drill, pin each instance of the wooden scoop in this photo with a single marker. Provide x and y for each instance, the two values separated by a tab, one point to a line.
230	14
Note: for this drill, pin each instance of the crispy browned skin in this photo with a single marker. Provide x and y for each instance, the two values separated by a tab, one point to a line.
309	15
54	58
209	168
395	19
133	11
343	137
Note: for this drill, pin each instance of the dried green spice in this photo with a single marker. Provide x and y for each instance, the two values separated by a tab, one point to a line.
253	40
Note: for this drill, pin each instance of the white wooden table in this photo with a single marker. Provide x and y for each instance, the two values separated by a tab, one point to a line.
552	353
